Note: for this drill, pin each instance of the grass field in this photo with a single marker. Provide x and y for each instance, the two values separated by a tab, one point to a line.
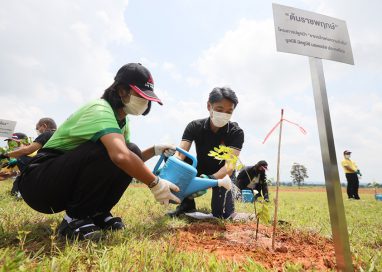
28	241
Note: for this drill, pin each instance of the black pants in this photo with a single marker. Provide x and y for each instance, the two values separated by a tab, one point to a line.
353	185
83	182
23	161
222	204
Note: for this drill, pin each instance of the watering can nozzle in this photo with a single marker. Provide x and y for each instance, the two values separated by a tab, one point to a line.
225	182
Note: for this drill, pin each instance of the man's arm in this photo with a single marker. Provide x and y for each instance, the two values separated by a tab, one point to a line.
185	145
25	150
348	167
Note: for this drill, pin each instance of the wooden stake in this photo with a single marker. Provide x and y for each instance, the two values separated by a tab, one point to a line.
277	182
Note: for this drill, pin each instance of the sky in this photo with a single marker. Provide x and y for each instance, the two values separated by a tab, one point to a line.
56	56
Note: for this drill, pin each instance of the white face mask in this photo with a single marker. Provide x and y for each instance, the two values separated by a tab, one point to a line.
219	119
136	105
347	156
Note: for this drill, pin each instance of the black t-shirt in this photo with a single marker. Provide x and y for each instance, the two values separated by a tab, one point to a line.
44	137
205	139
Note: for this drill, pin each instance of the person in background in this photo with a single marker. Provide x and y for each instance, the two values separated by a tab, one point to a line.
254	178
10	167
351	172
89	162
207	133
16	142
45	128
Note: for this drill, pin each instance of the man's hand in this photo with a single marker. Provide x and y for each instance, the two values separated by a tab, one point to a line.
162	191
167	149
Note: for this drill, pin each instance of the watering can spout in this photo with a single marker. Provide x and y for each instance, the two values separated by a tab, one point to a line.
199	184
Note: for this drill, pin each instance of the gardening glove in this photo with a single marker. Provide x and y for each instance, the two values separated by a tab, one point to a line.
10	163
165	149
359	173
161	189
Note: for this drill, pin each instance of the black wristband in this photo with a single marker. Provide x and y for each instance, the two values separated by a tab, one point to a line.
154	183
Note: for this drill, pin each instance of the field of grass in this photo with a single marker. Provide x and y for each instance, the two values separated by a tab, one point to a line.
28	241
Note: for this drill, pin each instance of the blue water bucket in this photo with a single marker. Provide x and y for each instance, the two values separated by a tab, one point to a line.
378	197
247	196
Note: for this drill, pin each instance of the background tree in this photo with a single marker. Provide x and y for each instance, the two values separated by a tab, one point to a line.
298	173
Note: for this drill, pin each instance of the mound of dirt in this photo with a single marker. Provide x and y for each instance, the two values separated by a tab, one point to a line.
237	242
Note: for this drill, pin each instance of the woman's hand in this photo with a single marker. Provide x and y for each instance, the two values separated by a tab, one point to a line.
161	189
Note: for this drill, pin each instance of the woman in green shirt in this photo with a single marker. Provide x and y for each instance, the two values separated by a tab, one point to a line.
89	162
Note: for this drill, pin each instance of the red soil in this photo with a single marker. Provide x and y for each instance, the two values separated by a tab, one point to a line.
236	242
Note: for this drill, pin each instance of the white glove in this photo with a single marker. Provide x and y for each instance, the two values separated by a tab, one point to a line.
162	191
167	149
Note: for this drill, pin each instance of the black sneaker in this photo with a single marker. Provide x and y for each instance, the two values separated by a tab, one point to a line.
107	222
80	229
187	206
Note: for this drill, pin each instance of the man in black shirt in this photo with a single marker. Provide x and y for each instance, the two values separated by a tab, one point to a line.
254	177
45	128
209	133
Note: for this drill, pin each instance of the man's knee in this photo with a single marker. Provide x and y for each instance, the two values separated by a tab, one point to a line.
135	149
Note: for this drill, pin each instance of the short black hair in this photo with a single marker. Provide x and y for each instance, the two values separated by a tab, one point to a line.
112	97
49	122
219	93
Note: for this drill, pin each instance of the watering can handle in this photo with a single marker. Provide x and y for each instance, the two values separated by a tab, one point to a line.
158	164
184	152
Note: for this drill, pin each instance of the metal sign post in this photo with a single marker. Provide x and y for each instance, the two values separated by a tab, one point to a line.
329	160
319	36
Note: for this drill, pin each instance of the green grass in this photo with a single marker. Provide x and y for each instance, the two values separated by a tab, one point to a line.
28	243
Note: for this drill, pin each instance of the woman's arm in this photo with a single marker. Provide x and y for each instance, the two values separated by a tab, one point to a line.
126	160
185	145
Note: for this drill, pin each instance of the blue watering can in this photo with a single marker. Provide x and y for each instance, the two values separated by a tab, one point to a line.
183	175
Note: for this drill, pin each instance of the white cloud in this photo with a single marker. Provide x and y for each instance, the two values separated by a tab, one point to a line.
171	69
55	55
266	81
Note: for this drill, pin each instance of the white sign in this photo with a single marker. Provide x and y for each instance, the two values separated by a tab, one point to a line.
7	128
311	34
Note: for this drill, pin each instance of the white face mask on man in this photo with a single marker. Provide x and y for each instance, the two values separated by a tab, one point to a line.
219	119
347	156
136	105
